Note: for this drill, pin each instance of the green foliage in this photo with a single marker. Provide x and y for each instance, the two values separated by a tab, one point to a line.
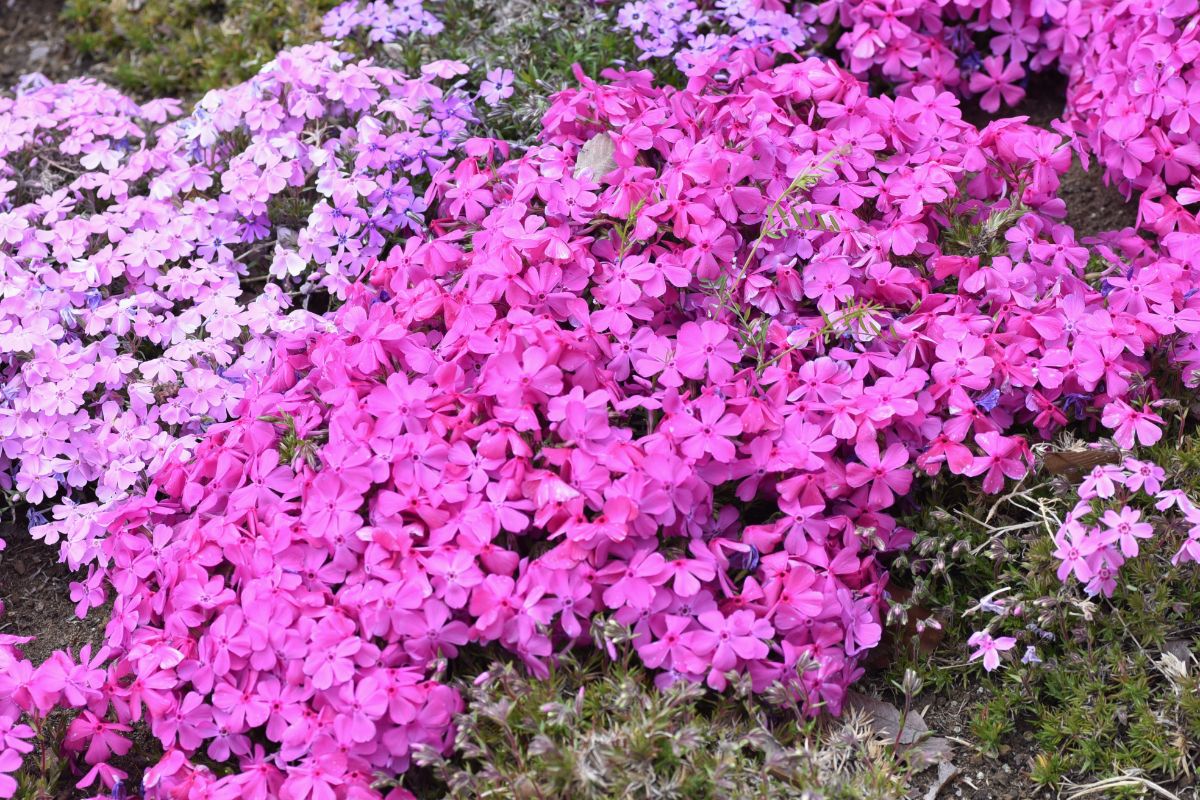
600	729
186	47
1118	691
44	773
538	40
292	445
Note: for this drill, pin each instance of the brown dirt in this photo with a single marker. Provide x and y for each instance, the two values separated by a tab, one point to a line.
1004	776
33	39
35	590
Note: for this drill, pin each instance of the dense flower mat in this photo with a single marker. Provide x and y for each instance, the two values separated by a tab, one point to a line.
675	367
127	239
1132	98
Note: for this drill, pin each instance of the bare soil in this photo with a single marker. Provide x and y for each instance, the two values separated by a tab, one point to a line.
35	590
33	39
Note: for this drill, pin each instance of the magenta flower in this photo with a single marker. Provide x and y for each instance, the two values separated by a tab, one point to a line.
709	431
667	650
1125	527
1074	549
1143	476
883	473
704	350
361	706
729	638
1002	456
529	391
1130	425
995	81
686	575
102	739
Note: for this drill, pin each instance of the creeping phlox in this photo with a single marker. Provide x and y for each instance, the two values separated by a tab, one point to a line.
1134	96
973	47
126	244
1120	506
1116	509
626	390
379	21
1133	99
689	31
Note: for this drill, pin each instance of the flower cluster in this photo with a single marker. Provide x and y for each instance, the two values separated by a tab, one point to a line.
1104	528
673	369
684	29
29	694
973	47
616	381
380	21
1134	95
1132	99
129	317
1120	506
121	324
1149	279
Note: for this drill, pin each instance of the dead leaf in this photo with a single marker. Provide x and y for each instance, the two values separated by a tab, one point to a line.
929	751
596	157
915	743
1077	462
886	718
946	772
1180	648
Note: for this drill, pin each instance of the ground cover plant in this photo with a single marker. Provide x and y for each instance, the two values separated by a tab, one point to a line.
166	47
398	412
127	328
1101	686
1132	95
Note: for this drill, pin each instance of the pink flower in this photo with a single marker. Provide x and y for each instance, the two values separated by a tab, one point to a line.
667	649
1130	425
316	778
709	431
103	739
995	80
704	349
883	473
963	364
1003	456
453	576
1073	550
729	638
1126	527
1100	482
10	762
361	706
686	575
1143	475
333	505
989	649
